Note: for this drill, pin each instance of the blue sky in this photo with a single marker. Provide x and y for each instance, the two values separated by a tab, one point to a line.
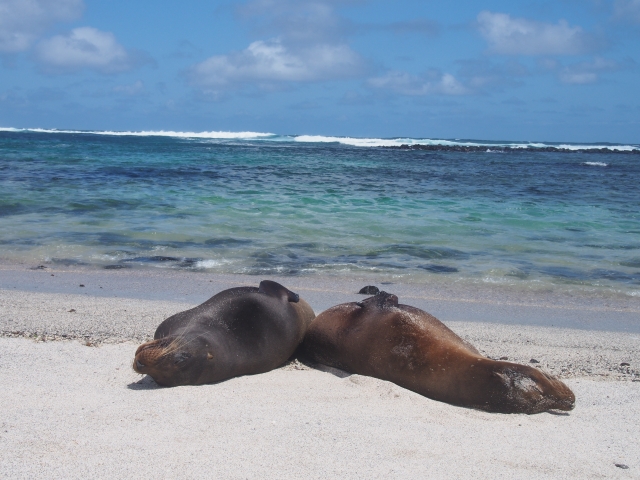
564	70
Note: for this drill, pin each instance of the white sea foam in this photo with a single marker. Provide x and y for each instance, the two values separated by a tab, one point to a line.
626	148
151	133
396	142
596	164
351	141
375	142
209	263
354	142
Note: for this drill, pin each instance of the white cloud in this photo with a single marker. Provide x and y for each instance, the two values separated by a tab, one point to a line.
578	78
583	72
433	83
586	72
23	21
519	36
273	61
627	10
84	47
298	41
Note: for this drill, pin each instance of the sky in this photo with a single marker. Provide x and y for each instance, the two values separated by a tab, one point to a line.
563	70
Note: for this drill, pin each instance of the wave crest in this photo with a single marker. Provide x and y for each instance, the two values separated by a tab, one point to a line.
405	142
222	135
400	142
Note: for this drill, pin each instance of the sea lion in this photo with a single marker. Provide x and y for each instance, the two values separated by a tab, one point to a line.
239	331
380	338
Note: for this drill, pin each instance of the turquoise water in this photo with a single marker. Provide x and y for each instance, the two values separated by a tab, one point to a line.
266	204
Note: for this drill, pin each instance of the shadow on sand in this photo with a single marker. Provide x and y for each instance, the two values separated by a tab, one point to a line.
319	366
145	383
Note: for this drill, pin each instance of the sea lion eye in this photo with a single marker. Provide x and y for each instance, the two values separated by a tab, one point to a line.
180	357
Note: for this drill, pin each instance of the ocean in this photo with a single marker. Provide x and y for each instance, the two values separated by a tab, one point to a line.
519	214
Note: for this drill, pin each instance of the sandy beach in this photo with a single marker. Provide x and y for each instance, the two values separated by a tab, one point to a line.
73	407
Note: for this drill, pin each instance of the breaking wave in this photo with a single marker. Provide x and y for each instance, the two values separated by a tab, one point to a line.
399	142
151	133
451	144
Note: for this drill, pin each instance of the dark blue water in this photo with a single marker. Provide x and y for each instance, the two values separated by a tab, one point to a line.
299	206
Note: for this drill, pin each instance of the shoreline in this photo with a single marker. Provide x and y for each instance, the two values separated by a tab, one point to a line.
502	287
447	300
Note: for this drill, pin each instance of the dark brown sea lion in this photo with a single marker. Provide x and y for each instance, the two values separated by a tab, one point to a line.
239	331
380	338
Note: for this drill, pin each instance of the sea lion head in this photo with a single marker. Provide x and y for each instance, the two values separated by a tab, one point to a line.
174	360
529	390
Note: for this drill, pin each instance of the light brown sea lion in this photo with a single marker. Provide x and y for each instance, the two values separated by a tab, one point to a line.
380	338
239	331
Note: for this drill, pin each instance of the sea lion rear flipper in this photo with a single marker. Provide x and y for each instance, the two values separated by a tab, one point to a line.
385	299
380	300
369	290
274	289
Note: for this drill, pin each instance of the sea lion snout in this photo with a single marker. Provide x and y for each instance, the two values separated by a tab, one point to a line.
150	354
563	396
169	361
533	391
147	355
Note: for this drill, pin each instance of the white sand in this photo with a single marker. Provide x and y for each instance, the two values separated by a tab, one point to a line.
77	412
71	410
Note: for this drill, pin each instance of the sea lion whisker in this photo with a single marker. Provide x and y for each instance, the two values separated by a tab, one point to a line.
175	343
171	347
180	344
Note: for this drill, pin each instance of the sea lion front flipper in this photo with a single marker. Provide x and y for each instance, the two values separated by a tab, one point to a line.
274	289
